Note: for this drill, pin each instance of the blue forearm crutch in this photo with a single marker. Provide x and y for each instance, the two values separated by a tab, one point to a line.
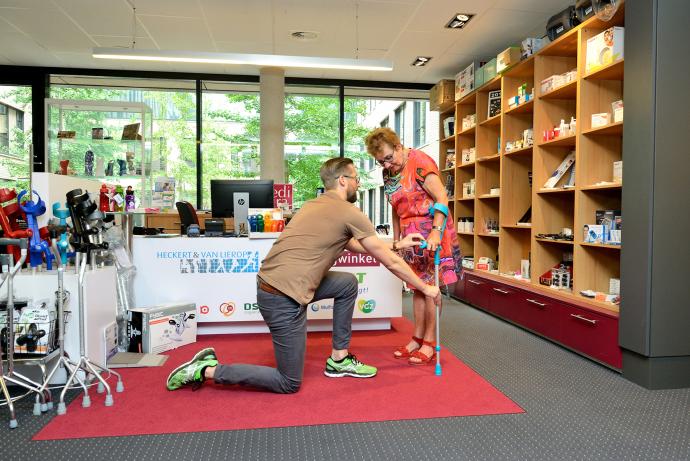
443	209
38	248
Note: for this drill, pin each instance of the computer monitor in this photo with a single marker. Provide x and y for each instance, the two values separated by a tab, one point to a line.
260	194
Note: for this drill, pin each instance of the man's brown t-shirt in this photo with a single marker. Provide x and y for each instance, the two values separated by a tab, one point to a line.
311	243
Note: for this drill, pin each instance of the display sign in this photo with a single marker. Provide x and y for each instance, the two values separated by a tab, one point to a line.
219	276
282	196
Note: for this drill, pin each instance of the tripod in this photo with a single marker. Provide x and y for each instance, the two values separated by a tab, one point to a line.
9	271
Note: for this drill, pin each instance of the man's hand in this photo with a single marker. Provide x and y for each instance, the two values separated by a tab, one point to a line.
434	293
410	240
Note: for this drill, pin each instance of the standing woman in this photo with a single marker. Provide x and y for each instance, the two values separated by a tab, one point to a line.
412	185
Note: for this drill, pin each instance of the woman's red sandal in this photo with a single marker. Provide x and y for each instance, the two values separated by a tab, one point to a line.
403	353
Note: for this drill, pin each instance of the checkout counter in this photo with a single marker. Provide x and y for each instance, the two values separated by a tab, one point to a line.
218	274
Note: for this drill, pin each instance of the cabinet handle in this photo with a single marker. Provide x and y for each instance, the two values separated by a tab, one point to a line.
175	222
593	322
536	302
474	282
502	291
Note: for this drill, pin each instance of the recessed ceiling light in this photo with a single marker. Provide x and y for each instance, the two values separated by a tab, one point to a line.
421	61
459	20
304	35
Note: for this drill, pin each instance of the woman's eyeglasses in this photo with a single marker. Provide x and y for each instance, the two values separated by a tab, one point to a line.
387	159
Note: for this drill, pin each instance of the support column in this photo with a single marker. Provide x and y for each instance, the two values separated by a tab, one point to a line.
272	116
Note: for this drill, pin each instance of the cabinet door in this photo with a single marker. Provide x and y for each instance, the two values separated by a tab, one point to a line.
506	302
541	315
459	291
591	333
477	292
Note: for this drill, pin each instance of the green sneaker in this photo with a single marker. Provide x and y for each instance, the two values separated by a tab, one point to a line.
349	366
189	373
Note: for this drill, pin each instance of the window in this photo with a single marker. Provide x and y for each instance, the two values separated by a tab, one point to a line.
400	122
382	206
230	138
312	136
15	136
371	205
384	122
419	123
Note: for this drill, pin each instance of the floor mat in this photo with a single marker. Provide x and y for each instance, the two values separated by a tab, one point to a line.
398	392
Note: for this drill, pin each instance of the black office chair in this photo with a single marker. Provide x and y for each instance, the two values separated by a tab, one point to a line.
187	216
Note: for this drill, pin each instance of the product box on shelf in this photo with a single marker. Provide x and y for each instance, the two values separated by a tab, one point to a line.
489	70
465	81
604	49
600	119
442	94
618	171
593	233
617	111
468	155
448	126
530	46
156	329
561	23
560	171
507	58
494	104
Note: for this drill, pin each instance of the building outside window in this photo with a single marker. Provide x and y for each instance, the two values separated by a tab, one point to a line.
419	123
400	122
15	136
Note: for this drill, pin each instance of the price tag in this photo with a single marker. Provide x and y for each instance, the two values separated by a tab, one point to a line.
118	199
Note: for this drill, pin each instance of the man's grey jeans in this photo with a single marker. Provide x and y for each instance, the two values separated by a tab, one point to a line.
287	321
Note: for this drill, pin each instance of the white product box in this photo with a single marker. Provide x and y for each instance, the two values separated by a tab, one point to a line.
529	46
604	49
618	171
560	171
464	80
551	83
614	286
617	111
507	58
448	126
468	155
593	233
614	236
156	329
600	119
524	268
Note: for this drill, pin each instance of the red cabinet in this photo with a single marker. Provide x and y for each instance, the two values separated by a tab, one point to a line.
506	302
541	314
459	289
591	333
477	291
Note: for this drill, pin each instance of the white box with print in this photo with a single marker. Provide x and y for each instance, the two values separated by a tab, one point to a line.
156	329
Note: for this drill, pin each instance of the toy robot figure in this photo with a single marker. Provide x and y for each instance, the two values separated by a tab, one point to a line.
123	167
130	163
88	163
63	245
109	168
104	199
63	167
180	324
100	169
129	199
119	205
38	248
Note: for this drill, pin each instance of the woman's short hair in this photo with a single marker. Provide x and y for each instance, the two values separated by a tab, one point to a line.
379	137
332	169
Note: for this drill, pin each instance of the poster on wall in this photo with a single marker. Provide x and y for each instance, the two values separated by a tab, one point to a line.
282	196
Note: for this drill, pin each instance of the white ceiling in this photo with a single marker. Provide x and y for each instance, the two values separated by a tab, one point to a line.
62	33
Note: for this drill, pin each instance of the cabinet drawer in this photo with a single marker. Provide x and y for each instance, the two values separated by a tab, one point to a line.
477	292
541	315
591	333
459	289
505	301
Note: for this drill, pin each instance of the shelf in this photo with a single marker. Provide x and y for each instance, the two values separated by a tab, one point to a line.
449	138
523	151
466	165
465	199
489	158
467	100
98	141
516	226
468	131
106	178
522	69
560	242
495	120
565	45
612	129
448	170
613	71
488	196
567	91
493	84
466	233
447	107
601	245
488	235
558	190
524	108
562	141
612	186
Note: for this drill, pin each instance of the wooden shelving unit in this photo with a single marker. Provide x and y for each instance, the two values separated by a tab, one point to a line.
520	174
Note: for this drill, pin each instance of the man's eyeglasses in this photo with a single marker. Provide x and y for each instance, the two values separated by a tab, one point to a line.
387	159
356	178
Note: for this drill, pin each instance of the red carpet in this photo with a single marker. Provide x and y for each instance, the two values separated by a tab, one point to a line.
400	391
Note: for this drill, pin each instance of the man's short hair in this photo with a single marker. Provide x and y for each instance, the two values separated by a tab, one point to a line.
332	169
379	137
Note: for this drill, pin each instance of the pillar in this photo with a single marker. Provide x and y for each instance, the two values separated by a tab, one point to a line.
272	117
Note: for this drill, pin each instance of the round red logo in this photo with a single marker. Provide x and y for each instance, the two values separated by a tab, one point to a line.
204	310
227	309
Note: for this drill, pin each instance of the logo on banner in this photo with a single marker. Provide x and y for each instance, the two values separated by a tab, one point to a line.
213	262
227	309
251	306
356	260
314	307
366	306
203	310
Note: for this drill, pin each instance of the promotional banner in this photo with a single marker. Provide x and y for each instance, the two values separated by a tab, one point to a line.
219	276
282	196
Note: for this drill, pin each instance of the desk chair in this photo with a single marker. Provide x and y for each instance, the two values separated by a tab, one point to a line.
187	216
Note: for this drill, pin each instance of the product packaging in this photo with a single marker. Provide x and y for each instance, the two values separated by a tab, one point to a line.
618	171
156	329
604	49
593	233
507	58
441	94
529	46
600	119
